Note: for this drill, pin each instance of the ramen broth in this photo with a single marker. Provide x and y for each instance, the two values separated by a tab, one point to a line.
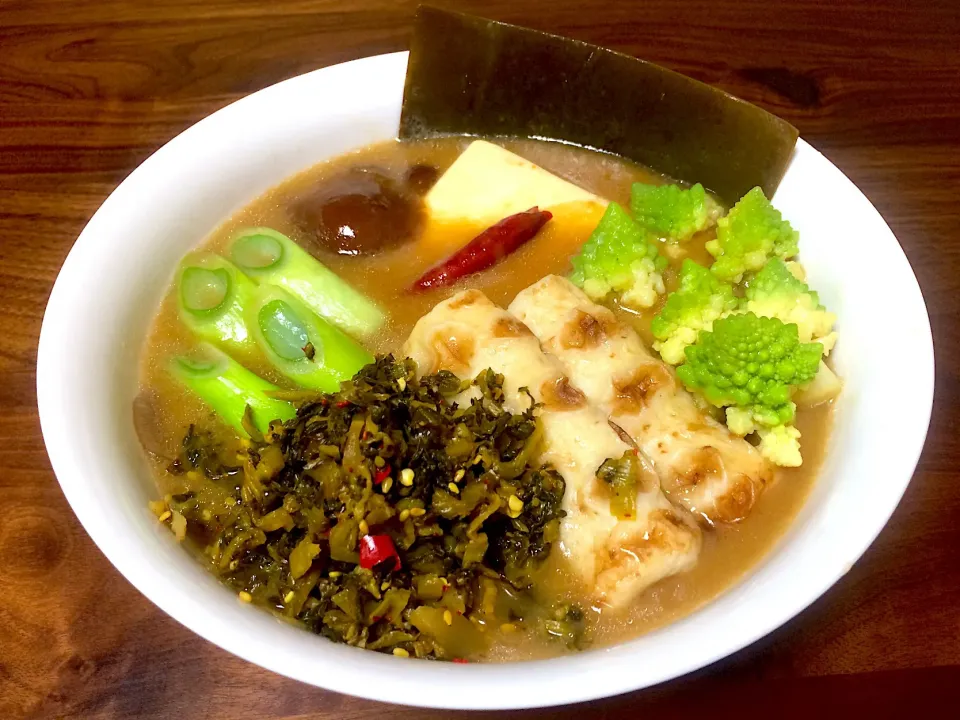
729	552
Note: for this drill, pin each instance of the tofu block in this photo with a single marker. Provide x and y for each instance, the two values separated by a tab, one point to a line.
487	183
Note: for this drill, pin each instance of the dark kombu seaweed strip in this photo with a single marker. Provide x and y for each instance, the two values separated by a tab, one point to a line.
471	76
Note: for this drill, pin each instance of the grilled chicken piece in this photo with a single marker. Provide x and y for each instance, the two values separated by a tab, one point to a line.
702	466
619	558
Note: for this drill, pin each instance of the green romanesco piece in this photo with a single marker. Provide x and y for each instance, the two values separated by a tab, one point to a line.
752	363
699	300
781	445
669	211
777	292
751	233
620	258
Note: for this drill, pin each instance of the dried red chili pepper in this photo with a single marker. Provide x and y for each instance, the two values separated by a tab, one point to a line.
486	249
375	549
381	475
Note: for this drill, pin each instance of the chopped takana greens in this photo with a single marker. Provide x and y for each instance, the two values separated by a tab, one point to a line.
752	365
751	233
237	395
211	296
304	347
619	257
384	516
670	211
270	257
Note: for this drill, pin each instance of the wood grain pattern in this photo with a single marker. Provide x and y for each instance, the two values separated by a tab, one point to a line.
89	89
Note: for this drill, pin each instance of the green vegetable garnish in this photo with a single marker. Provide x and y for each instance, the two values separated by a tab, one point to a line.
270	257
619	258
623	477
342	519
230	389
211	297
669	211
699	300
751	233
751	365
301	345
777	292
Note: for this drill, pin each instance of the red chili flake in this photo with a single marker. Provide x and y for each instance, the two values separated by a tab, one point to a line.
343	403
375	549
376	618
459	612
445	588
460	661
382	474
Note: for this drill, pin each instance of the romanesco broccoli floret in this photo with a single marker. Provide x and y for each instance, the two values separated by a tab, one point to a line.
781	445
619	258
751	362
748	235
699	300
751	365
776	292
669	211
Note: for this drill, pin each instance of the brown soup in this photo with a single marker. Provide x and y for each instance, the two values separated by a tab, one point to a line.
365	258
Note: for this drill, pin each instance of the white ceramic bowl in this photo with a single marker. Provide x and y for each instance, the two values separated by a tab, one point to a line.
120	267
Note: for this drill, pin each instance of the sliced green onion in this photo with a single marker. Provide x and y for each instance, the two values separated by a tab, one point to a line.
284	332
300	344
212	296
270	257
229	388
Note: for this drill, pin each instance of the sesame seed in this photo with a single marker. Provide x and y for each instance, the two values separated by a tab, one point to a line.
508	628
288	597
516	505
448	617
406	477
166	515
245	596
404	514
402	383
400	652
387	484
379	461
417	512
364	528
459	476
452	487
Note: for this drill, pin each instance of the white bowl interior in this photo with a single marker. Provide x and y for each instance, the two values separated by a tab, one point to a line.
119	269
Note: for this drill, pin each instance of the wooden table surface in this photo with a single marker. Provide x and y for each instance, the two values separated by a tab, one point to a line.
90	88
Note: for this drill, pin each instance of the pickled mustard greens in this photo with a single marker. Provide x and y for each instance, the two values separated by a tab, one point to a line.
304	347
237	395
470	76
211	296
271	258
388	465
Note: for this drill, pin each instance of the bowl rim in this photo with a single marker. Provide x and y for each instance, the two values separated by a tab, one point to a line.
463	685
